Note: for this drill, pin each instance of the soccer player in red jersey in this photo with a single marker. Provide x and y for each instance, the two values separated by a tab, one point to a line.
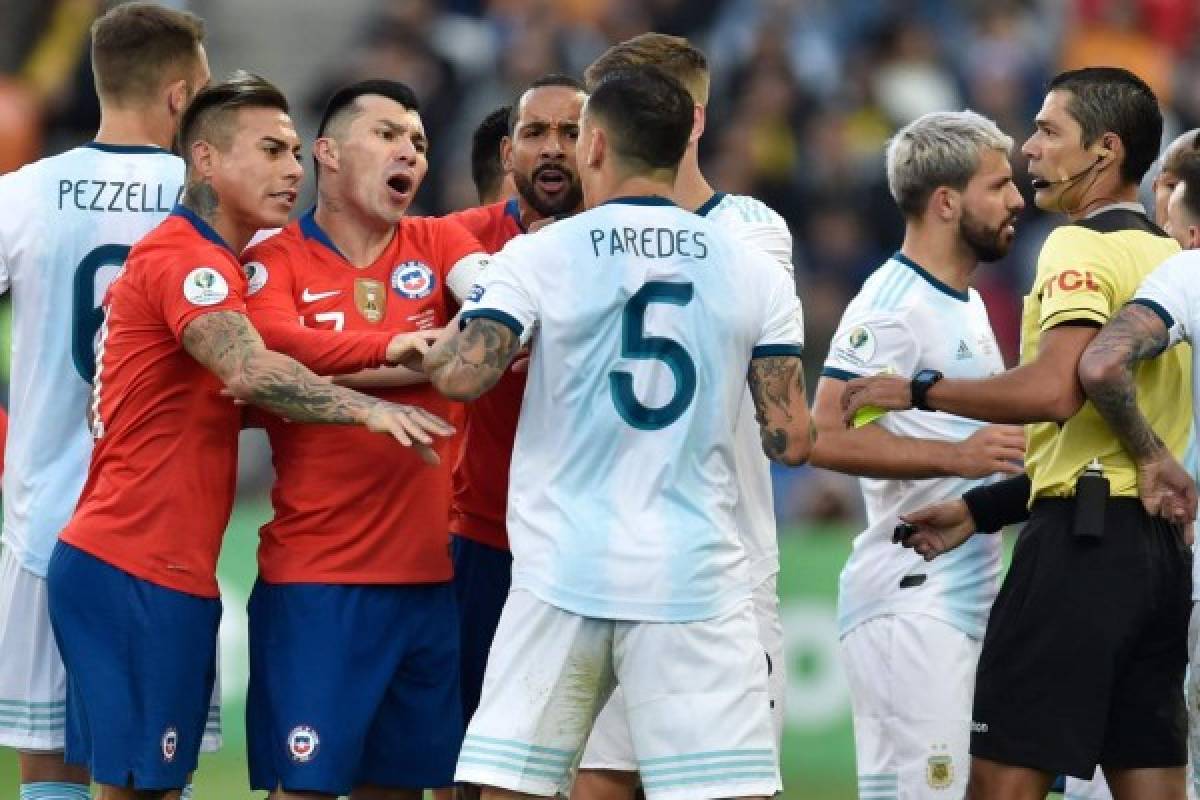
353	633
539	152
132	587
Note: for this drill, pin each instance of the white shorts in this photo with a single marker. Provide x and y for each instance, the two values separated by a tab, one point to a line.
609	745
696	694
911	680
33	683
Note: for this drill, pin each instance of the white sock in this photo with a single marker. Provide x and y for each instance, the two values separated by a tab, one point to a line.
54	790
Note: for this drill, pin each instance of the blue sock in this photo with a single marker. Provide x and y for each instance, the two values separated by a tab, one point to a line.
54	790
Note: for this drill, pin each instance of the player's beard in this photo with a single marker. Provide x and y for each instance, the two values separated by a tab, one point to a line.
988	244
564	203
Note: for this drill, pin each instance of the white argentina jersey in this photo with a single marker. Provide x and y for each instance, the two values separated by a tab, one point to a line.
1173	292
67	226
902	321
754	223
643	319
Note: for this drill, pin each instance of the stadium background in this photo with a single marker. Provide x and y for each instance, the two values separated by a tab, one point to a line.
805	93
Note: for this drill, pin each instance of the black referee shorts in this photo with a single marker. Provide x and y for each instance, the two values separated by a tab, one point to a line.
1083	660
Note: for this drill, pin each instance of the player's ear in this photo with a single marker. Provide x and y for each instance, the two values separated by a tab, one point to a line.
945	204
597	149
178	96
325	150
698	121
203	158
506	153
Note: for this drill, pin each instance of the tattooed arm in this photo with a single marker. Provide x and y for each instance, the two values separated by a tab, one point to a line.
226	343
780	405
464	364
1136	333
1106	372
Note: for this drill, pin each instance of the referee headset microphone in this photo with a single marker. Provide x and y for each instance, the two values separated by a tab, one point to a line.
1042	183
1102	154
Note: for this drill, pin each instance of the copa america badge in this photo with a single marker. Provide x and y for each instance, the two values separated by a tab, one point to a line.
413	280
302	743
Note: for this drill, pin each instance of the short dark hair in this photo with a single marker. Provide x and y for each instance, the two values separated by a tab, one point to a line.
1187	169
207	118
344	99
647	114
1112	99
136	45
487	170
548	80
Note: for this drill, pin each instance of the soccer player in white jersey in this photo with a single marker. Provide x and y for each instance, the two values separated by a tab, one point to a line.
608	770
901	621
68	223
621	501
1164	312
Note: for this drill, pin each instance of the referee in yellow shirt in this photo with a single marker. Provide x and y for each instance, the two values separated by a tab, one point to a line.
1086	646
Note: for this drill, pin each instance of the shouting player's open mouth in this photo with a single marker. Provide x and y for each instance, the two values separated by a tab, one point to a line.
551	180
400	186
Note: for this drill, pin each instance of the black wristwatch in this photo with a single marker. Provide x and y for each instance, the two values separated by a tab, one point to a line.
922	382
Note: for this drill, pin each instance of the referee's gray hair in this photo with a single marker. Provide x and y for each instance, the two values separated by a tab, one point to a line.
938	149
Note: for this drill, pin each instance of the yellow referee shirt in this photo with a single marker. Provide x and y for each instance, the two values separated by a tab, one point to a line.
1086	272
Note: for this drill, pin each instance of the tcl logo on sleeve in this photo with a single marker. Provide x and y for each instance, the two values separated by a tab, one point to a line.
1069	280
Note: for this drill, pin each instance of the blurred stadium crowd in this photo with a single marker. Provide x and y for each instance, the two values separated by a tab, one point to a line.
805	93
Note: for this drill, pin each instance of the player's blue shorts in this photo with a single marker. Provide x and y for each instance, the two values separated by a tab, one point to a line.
140	660
482	578
352	686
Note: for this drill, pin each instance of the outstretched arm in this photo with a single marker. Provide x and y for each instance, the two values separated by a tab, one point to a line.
464	364
226	343
873	451
1044	390
781	408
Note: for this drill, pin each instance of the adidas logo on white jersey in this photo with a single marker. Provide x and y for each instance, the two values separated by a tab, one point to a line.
964	352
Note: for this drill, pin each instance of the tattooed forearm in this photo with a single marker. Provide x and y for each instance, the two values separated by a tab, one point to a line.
470	362
227	344
775	383
1106	373
279	384
200	197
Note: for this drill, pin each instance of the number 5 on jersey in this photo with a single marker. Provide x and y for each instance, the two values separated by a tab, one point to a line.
635	344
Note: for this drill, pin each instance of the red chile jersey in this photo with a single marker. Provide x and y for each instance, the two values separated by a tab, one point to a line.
351	506
481	475
161	479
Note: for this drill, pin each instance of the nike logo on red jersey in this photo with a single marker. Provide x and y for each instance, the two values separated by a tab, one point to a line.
308	296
